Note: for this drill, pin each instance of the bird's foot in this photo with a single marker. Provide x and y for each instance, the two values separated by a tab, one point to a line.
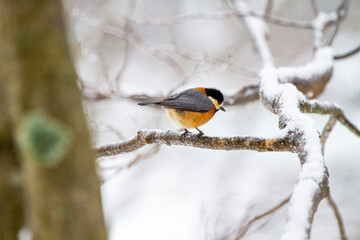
200	132
185	132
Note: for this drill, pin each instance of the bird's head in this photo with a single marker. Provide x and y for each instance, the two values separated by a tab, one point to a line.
216	97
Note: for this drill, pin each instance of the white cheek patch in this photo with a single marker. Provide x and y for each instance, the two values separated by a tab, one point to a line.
215	102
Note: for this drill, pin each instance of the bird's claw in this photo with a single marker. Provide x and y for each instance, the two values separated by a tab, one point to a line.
201	133
184	133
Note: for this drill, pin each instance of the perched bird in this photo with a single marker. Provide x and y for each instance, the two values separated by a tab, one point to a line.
193	107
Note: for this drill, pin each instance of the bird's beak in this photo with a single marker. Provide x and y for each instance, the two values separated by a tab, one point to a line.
222	109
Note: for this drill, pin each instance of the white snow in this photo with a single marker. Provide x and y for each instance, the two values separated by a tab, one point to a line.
299	210
319	23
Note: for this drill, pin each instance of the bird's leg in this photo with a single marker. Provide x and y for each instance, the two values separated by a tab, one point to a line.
185	132
200	132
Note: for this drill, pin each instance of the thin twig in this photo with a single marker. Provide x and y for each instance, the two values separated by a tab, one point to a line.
339	220
314	7
243	71
115	131
341	12
327	129
138	158
347	54
125	58
269	7
243	230
245	95
335	31
178	19
279	21
185	79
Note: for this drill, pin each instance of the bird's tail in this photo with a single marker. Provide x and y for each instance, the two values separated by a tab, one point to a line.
148	103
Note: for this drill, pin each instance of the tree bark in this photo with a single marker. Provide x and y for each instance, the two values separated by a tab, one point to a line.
47	125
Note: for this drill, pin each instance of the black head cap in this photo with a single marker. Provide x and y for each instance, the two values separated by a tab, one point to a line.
215	94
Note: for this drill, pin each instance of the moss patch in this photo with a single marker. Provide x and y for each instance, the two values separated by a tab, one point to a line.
44	139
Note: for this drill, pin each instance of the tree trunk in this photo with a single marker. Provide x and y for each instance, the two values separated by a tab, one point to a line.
45	121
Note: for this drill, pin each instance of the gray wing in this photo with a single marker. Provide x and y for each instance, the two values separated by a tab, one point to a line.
191	100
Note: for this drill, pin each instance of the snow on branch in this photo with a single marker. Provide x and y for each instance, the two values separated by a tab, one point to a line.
312	78
172	138
312	185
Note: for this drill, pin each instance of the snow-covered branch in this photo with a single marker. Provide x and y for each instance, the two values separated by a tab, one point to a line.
312	78
284	100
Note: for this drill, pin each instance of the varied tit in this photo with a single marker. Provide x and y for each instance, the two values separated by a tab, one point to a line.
193	107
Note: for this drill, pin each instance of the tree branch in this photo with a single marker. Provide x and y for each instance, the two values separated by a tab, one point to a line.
314	106
171	138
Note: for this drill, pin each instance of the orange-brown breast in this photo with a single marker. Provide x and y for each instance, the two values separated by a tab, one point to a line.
189	119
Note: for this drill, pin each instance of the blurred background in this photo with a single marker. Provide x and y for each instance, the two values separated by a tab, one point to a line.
125	49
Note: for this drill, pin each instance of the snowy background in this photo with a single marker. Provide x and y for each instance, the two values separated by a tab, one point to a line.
185	193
